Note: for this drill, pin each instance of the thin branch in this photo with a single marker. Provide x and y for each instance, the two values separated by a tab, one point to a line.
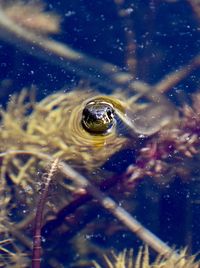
109	204
120	213
20	236
104	73
175	77
130	50
78	201
195	4
36	254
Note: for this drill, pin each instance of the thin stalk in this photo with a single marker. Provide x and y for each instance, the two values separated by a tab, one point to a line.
172	79
36	254
78	201
121	214
125	15
57	53
104	73
109	204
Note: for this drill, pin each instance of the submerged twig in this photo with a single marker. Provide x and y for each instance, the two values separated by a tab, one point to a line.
36	257
109	204
32	16
195	4
78	201
105	74
175	77
125	17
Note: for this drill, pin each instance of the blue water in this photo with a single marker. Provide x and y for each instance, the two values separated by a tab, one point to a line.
167	37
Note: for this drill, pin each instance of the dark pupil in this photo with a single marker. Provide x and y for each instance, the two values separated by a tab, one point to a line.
97	117
109	112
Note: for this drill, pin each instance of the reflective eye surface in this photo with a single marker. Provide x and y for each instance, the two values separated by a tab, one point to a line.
98	117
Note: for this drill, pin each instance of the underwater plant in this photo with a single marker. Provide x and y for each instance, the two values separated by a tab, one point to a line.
88	130
177	143
126	259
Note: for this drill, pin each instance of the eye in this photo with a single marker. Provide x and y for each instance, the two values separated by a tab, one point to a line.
110	112
98	117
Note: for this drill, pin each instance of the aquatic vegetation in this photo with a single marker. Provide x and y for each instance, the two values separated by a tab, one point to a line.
11	255
177	143
54	127
61	133
32	16
87	129
37	238
126	259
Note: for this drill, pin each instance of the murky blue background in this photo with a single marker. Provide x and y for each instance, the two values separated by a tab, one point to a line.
167	37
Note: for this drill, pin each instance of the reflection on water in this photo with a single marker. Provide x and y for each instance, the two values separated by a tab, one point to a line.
107	90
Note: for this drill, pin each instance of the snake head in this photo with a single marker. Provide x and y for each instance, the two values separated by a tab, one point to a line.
98	117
